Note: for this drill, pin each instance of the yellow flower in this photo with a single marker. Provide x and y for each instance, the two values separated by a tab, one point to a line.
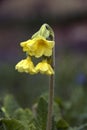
25	65
38	47
44	68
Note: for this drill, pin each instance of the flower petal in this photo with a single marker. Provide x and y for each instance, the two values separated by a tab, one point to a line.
44	68
38	47
26	65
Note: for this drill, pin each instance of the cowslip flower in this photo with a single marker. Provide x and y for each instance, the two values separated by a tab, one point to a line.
38	46
44	68
26	65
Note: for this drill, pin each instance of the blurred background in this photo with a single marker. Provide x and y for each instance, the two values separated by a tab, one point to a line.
18	21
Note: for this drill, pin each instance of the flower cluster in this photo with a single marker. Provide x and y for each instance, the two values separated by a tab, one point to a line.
37	47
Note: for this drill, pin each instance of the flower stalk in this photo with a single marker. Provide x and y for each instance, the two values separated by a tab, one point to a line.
51	94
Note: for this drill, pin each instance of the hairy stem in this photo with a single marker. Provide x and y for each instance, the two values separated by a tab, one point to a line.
51	95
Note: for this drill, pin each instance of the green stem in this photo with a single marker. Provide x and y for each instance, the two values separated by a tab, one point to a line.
51	95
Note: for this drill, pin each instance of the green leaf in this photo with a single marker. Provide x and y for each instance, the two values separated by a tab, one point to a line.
16	114
2	114
10	105
57	112
62	125
11	124
24	115
41	114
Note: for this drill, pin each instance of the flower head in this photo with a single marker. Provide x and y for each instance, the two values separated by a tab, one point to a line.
25	65
38	47
44	68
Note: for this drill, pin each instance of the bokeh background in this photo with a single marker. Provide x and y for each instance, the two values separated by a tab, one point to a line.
18	21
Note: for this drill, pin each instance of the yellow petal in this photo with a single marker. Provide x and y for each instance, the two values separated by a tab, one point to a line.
26	65
44	68
38	47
